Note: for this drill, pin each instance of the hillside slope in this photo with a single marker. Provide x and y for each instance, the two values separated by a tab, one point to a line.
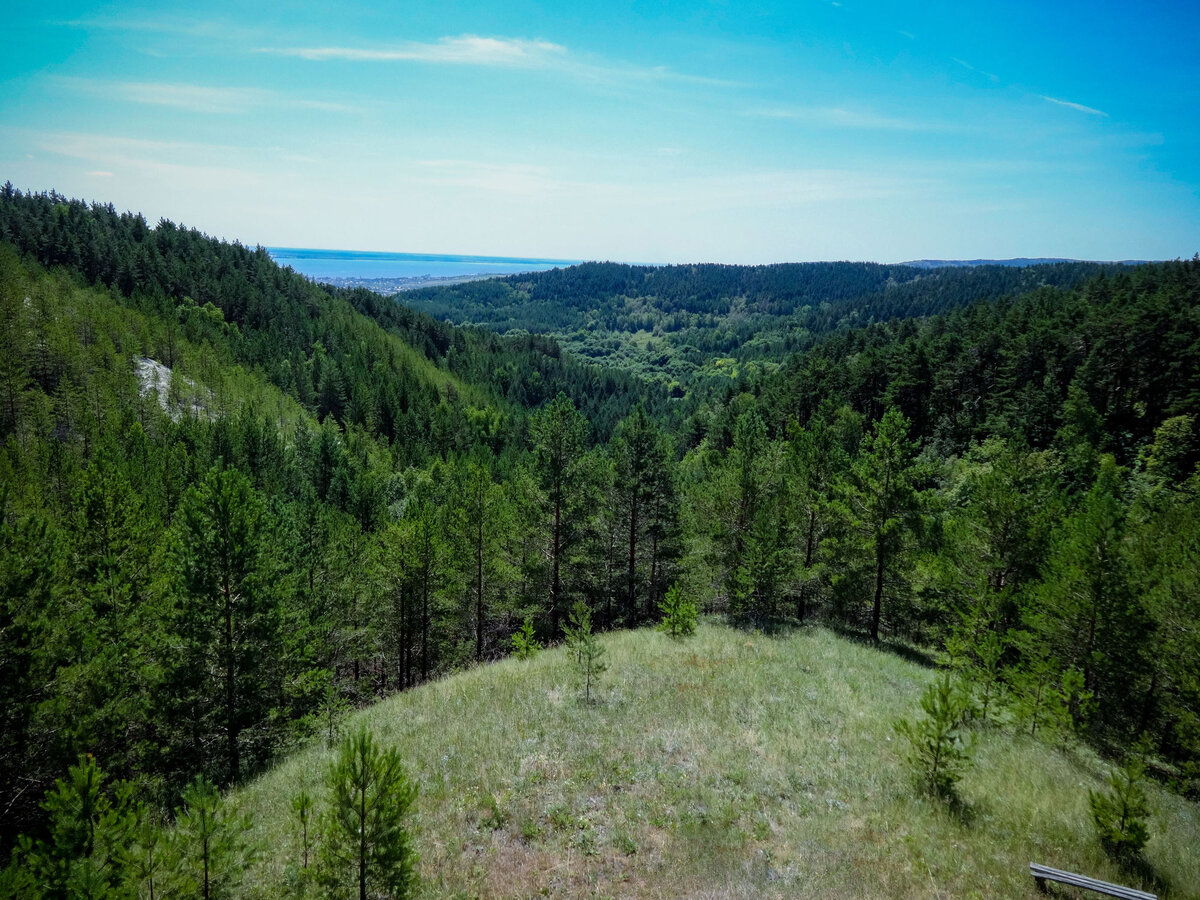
730	765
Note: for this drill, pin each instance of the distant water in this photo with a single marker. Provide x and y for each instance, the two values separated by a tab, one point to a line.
340	264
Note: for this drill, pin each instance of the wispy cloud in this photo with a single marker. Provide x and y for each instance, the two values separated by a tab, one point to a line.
840	117
198	98
99	173
466	50
1076	106
966	65
497	52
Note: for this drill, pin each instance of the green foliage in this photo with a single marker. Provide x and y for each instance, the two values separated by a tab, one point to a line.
679	613
524	644
366	843
302	806
881	505
585	647
1121	814
211	843
90	829
938	751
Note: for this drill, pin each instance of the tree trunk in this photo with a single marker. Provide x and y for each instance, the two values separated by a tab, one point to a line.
231	729
878	608
555	550
631	597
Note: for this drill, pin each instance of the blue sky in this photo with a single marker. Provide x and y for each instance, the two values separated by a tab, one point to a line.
664	132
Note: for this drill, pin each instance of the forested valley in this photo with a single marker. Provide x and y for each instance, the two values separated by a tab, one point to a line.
234	504
697	327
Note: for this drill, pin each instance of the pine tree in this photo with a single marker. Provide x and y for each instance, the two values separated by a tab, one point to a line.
679	613
366	841
882	506
90	831
228	612
938	752
583	644
1120	815
524	644
211	842
557	432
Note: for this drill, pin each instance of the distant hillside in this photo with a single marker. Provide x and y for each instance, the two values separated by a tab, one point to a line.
727	765
684	325
1019	262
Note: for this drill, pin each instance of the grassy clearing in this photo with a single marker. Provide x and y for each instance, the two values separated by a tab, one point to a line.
726	765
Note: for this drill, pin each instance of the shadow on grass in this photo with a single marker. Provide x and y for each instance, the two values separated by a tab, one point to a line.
1138	867
888	645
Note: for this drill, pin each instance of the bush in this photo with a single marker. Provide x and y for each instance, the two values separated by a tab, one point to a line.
679	614
938	751
1120	815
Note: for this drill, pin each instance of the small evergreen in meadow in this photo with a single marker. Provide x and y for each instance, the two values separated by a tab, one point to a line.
366	844
1120	815
302	806
938	751
524	644
679	614
589	652
211	842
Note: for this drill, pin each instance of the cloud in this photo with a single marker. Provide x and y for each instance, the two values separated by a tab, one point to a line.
839	117
466	50
1076	106
966	65
497	52
98	173
197	98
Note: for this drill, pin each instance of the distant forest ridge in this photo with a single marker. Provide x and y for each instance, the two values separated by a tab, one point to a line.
1019	262
683	325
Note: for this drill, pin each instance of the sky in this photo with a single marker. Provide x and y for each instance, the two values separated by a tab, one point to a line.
742	132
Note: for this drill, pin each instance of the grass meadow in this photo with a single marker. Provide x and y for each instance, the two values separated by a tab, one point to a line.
730	764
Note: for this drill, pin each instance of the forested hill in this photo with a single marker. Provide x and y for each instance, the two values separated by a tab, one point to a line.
680	323
234	505
1109	361
306	339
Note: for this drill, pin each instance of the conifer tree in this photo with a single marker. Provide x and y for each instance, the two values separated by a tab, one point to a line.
882	505
679	613
1120	814
557	432
937	749
586	648
228	612
211	842
366	844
